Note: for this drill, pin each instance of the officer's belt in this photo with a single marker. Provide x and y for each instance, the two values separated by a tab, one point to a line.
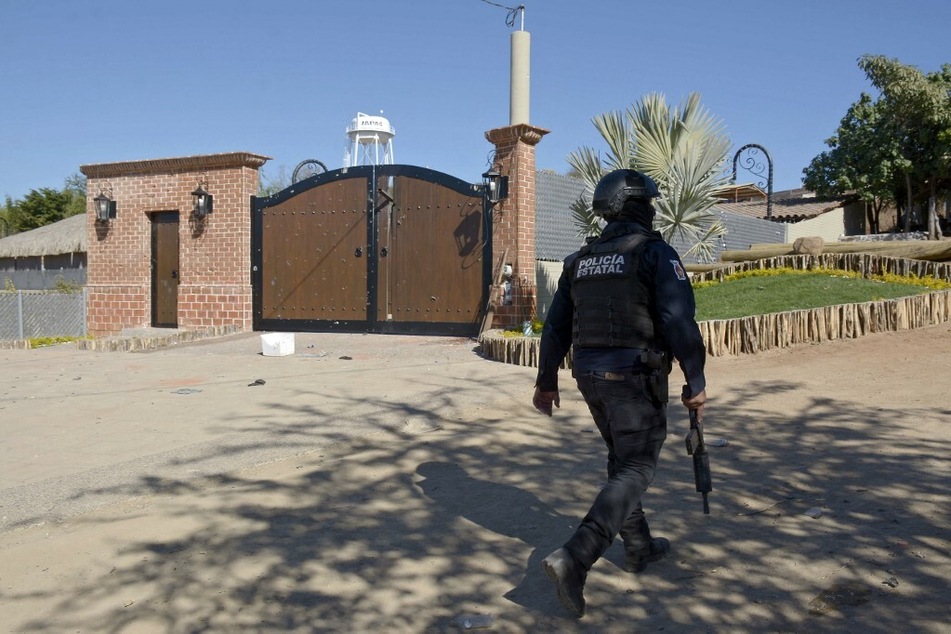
646	362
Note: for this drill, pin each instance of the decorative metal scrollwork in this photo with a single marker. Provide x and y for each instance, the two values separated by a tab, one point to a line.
306	169
754	164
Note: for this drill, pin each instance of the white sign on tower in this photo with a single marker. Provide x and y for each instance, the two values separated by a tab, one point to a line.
369	141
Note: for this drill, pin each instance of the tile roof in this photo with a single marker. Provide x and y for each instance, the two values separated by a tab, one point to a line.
788	206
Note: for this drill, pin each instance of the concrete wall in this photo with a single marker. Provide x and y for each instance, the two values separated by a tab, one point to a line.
830	226
546	274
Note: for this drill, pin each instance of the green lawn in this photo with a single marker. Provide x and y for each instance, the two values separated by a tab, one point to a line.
778	293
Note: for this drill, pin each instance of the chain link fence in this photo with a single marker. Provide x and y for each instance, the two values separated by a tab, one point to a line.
26	314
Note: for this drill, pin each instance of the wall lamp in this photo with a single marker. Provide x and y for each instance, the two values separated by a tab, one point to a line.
496	186
204	201
105	205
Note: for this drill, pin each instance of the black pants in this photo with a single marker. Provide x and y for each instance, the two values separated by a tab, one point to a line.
633	424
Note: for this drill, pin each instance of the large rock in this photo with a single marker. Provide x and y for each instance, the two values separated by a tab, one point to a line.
809	246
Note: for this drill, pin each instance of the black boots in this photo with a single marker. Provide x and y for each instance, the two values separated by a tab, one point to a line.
636	560
569	578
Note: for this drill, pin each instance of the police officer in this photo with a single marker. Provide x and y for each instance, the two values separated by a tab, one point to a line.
624	302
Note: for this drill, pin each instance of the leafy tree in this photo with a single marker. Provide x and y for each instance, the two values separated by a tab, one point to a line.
684	150
44	206
268	185
919	107
864	158
76	187
39	208
5	228
895	148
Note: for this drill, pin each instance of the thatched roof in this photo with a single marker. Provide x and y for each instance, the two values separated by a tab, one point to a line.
66	236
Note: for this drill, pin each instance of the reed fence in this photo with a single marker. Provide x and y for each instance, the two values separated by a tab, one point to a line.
757	333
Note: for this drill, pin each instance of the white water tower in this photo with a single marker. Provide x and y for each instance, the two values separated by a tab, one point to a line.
369	141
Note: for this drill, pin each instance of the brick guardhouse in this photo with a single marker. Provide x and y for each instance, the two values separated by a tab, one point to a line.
155	262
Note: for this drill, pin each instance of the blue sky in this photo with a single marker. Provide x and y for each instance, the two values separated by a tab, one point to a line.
100	81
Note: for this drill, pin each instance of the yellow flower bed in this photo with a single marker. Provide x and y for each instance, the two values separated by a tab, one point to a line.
930	283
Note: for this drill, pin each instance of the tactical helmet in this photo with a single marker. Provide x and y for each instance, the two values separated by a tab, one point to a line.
617	187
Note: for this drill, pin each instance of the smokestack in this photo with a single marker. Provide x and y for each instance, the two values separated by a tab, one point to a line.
518	105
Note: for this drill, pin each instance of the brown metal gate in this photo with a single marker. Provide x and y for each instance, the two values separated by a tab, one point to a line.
391	248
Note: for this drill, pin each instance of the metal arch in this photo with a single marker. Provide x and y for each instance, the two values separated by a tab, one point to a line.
312	167
755	167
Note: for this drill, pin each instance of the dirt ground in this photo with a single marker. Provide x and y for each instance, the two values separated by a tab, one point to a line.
405	484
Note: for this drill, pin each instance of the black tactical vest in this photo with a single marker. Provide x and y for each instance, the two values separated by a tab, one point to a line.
611	304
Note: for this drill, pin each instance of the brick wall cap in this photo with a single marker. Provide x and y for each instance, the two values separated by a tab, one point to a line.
521	132
171	165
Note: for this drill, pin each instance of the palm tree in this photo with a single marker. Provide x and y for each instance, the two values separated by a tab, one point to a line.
684	151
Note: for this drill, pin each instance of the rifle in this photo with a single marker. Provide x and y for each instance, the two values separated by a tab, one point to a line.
701	461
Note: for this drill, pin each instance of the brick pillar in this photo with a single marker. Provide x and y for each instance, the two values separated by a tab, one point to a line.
214	252
514	221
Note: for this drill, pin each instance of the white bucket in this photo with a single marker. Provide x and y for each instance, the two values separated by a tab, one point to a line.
277	344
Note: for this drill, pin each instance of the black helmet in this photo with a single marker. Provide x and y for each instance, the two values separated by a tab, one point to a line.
617	187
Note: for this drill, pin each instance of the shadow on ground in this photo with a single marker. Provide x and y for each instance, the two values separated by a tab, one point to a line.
442	513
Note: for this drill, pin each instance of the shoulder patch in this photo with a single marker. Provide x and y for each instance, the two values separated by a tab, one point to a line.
678	270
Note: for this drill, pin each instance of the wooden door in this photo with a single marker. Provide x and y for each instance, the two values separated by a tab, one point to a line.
165	272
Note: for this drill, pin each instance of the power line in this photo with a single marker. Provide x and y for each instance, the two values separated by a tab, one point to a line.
513	13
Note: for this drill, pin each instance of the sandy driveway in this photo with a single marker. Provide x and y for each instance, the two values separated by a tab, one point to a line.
411	484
